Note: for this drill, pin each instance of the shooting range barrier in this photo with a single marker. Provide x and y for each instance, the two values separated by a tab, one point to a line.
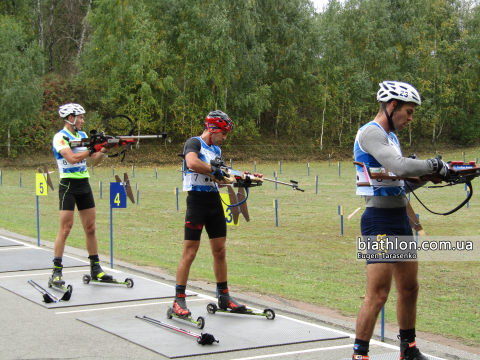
234	332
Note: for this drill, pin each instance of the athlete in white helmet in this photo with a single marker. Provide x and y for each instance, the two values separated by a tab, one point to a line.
74	189
377	146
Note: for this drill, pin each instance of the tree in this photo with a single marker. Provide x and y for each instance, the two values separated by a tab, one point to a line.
20	67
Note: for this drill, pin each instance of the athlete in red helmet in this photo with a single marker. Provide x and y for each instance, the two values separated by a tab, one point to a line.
204	208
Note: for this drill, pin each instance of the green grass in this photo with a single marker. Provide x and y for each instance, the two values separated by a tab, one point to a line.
305	258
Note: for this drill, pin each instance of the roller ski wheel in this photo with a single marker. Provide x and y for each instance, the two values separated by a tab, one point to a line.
128	281
269	314
199	323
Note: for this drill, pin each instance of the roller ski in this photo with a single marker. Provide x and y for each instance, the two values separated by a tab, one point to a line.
227	305
56	282
202	339
180	311
97	275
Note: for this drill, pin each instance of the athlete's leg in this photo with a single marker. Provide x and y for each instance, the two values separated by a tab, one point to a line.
190	248
219	258
405	275
87	217
379	280
66	223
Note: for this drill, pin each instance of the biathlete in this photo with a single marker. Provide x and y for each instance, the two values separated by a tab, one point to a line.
377	146
74	189
204	209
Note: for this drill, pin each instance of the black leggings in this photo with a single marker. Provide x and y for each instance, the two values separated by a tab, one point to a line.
204	209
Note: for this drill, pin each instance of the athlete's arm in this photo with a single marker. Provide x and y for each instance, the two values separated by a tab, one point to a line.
197	165
96	158
74	158
374	141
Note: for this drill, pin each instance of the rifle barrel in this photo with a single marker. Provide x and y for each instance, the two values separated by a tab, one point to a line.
161	136
280	182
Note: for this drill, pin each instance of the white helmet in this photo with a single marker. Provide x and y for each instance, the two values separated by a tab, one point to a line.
70	109
399	91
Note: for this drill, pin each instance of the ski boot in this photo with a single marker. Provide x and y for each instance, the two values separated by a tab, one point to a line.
56	282
180	311
228	305
99	276
360	357
409	351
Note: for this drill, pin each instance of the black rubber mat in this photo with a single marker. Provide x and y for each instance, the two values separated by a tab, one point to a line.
91	293
234	332
7	242
30	258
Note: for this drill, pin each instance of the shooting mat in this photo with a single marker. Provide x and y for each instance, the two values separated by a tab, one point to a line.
235	332
30	258
87	294
392	356
7	242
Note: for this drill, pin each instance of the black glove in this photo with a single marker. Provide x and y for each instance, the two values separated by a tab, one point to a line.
414	157
440	167
217	172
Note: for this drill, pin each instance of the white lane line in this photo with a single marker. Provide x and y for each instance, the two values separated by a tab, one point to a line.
42	274
124	306
297	352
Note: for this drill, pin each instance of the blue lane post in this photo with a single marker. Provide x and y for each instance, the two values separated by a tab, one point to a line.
316	184
255	164
100	189
340	212
156	174
476	162
231	163
38	224
138	195
308	168
464	156
467	189
176	194
339	168
20	179
275	176
328	159
1	178
133	170
113	171
280	166
416	233
275	205
111	236
382	331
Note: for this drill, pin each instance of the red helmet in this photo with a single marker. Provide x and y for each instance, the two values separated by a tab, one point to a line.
218	121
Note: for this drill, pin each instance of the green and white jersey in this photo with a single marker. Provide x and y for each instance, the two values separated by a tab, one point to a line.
67	170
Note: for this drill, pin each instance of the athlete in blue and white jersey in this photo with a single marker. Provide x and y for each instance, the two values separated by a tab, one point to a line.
204	209
74	190
378	147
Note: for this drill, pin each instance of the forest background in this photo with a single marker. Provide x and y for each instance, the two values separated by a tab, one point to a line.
285	74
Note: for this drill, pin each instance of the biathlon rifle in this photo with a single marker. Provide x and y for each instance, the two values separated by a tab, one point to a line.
99	137
459	172
244	178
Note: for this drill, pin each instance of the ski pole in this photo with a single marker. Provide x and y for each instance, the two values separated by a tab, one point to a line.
47	296
203	339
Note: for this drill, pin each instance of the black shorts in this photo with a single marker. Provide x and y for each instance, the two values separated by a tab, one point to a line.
387	223
75	191
204	209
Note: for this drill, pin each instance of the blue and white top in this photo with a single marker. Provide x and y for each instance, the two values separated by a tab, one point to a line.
380	187
67	170
193	181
